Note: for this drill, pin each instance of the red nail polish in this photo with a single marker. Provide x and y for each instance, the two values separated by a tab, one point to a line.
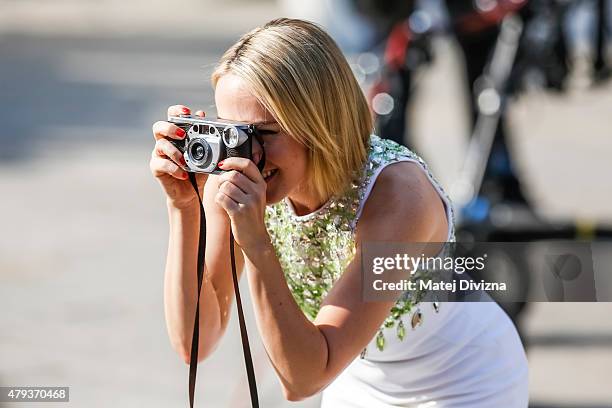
221	163
186	110
180	132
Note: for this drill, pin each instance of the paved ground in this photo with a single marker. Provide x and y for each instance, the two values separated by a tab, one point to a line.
84	227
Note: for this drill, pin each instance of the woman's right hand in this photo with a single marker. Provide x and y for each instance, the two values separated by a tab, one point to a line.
167	162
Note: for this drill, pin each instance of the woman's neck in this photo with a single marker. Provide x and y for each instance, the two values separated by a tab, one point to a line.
305	204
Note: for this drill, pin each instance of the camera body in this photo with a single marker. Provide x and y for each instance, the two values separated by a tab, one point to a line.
210	141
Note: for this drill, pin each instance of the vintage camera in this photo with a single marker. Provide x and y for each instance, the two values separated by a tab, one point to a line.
210	141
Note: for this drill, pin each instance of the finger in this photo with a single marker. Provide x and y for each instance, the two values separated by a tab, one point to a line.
176	110
240	180
161	166
245	166
200	113
163	148
224	201
162	129
234	192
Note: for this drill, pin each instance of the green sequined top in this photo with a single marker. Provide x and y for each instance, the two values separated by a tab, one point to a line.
314	249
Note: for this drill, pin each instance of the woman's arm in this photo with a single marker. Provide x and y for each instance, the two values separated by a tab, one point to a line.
180	283
180	280
403	207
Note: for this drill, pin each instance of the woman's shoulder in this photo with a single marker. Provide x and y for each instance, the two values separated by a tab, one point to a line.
401	192
391	163
404	199
384	150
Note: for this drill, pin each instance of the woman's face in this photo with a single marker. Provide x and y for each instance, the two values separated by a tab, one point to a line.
286	165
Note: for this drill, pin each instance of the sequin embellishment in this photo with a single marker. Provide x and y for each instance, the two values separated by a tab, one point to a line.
315	249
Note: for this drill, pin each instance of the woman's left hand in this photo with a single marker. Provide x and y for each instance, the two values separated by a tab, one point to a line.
242	194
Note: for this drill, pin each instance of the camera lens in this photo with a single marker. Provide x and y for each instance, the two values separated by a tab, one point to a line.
198	151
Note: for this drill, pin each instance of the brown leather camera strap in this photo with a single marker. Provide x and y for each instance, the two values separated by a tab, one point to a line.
193	363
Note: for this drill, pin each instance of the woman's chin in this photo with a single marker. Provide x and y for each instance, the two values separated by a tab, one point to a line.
273	197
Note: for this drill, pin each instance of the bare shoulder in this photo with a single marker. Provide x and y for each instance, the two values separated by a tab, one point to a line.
403	205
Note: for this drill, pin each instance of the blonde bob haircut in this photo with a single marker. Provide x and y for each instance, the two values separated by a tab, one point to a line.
300	76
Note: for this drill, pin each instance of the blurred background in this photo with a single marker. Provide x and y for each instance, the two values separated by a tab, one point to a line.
508	102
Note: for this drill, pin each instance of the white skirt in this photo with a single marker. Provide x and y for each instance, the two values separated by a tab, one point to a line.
466	355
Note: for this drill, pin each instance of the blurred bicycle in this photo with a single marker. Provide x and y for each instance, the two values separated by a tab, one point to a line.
509	47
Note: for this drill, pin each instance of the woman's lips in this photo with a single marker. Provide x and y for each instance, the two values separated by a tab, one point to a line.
268	174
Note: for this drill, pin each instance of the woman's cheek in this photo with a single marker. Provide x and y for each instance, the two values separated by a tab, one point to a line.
270	153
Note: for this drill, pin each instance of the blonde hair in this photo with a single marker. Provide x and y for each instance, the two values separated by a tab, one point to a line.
298	73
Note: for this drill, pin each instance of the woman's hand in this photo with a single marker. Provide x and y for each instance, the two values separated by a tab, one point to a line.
242	194
167	162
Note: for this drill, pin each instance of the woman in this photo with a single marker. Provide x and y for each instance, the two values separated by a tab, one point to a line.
327	186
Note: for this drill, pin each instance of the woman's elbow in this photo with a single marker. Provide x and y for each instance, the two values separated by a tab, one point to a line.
184	352
305	383
295	394
185	356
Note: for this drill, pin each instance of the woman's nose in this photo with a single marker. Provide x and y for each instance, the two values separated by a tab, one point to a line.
257	151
